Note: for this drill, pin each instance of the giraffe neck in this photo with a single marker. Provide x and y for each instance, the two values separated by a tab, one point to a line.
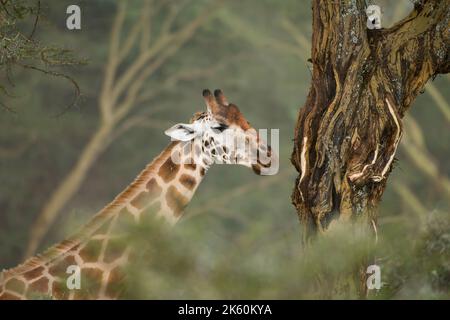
166	186
163	188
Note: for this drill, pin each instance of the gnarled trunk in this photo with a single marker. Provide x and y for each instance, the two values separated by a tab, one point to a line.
363	82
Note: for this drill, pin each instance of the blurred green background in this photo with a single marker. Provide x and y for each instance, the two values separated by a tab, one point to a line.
240	235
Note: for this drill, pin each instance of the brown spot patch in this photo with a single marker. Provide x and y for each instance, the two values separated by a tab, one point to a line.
60	267
15	285
116	284
33	274
176	201
9	296
153	188
60	290
188	181
168	170
190	166
91	279
202	171
91	251
40	286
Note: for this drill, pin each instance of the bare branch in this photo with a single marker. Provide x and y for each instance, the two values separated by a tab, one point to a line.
138	121
134	33
184	75
113	62
298	36
411	200
174	10
418	154
246	30
440	101
61	75
132	92
164	42
148	12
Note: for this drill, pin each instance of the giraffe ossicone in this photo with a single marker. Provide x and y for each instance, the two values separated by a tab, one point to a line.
221	134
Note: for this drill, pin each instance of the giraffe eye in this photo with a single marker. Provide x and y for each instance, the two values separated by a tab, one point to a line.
221	127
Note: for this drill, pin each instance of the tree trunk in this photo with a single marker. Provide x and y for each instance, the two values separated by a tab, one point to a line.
363	81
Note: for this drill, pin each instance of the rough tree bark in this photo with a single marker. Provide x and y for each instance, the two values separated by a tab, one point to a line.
363	82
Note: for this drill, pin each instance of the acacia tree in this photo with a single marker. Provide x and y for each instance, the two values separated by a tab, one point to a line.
363	82
19	21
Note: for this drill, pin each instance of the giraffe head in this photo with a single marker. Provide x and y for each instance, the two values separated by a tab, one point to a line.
223	135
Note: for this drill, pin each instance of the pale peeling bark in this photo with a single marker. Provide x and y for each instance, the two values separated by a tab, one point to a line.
363	81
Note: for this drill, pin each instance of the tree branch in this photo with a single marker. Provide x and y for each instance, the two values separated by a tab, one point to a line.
417	45
164	42
112	63
440	101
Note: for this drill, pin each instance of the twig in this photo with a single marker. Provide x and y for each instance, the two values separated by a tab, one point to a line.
410	199
35	20
296	35
421	158
62	75
443	105
7	108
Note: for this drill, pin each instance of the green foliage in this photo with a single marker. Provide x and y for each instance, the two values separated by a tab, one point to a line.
167	266
18	48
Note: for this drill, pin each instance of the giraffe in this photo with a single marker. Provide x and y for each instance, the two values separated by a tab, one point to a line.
162	189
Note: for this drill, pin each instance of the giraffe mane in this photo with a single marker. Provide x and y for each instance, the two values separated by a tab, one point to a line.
92	226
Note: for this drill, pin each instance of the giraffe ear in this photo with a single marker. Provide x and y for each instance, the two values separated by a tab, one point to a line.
182	132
